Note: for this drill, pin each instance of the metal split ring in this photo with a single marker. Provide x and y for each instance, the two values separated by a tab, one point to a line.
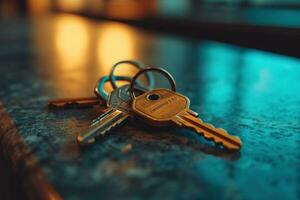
137	64
159	70
99	87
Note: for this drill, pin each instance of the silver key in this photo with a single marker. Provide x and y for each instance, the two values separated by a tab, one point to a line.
119	110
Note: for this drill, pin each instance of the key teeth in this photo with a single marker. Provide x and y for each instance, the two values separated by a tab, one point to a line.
108	129
220	129
226	133
80	139
218	141
210	138
112	126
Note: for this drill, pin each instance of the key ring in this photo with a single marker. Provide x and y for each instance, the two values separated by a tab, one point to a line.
99	87
137	64
160	70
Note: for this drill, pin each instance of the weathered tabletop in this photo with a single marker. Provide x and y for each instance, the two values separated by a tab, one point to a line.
252	94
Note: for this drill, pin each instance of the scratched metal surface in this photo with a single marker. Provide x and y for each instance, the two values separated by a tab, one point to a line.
252	94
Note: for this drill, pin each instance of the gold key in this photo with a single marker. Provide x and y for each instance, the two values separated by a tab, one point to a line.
163	107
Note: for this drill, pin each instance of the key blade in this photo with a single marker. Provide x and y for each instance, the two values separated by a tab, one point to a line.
106	122
94	121
218	135
74	102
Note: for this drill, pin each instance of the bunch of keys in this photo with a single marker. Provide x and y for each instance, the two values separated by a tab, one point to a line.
157	107
111	117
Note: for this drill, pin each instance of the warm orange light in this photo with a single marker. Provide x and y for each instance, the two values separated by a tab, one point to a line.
71	5
38	6
75	52
116	42
71	41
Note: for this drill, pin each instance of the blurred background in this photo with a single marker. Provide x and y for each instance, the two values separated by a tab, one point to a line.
228	56
255	23
88	36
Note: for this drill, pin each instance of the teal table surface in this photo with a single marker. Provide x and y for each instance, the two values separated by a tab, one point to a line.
250	93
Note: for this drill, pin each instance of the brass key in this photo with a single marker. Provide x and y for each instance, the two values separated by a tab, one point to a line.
163	107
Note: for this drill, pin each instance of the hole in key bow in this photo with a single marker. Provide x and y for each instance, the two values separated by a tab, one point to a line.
153	97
